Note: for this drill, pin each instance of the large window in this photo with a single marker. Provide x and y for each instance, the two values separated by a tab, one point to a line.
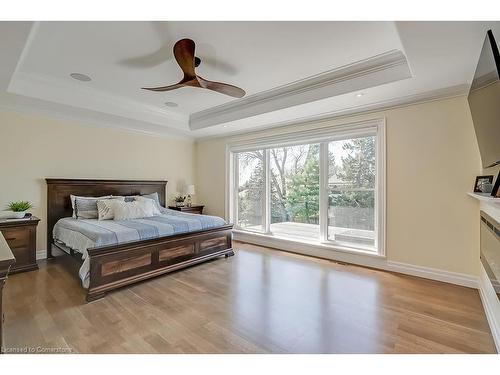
322	187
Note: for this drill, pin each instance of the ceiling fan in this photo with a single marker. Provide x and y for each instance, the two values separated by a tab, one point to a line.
184	55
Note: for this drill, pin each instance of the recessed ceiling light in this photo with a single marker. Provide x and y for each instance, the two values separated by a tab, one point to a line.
360	94
80	77
171	104
224	126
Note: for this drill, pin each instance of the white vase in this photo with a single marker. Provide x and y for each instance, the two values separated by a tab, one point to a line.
12	214
19	215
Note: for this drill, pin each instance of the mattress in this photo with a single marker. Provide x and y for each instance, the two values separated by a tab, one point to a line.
82	234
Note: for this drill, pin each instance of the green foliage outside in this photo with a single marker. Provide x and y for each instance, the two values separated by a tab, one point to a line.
295	180
250	194
357	174
302	199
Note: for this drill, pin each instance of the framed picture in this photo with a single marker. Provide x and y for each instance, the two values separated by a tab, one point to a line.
481	181
496	189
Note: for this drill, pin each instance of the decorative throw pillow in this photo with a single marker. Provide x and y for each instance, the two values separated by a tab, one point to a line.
84	204
133	210
105	207
86	207
156	206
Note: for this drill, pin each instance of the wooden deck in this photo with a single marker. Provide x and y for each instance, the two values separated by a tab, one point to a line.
310	232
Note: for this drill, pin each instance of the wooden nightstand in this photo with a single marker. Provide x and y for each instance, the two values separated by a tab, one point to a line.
194	209
21	238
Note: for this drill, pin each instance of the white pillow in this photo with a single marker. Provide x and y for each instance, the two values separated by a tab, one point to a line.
156	209
105	208
133	210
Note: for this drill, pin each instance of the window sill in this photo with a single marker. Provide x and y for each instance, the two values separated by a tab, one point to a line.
285	243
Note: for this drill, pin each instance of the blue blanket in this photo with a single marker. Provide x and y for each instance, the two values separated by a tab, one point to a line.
83	234
112	232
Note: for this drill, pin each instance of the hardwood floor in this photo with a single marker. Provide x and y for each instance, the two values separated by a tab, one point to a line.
259	301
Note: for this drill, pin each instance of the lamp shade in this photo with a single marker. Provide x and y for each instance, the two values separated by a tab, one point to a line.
190	190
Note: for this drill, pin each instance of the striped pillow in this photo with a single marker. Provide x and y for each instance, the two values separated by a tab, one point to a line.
86	207
73	201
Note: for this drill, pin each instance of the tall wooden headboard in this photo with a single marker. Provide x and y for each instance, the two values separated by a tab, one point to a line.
60	189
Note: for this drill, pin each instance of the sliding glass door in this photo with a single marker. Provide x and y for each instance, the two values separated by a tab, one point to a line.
326	191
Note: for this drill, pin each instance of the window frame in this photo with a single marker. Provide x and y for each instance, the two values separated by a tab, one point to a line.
322	136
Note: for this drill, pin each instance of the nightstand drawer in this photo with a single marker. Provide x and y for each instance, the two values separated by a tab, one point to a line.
21	238
17	237
193	210
196	209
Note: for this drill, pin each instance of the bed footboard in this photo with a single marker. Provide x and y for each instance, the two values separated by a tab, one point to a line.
112	267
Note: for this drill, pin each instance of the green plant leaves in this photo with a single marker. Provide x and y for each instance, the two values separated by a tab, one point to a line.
19	206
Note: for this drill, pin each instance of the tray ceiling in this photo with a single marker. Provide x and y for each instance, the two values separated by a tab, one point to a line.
286	69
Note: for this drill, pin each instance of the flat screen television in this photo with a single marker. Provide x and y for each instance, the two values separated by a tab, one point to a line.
484	102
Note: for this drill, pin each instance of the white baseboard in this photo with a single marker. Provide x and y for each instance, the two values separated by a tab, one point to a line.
41	254
491	305
362	259
359	258
434	274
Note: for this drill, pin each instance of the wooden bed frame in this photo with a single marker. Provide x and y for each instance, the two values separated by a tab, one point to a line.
112	267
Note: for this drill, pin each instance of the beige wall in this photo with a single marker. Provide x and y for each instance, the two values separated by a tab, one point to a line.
34	147
432	160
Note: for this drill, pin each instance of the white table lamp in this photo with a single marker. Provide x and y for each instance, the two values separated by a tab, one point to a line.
190	192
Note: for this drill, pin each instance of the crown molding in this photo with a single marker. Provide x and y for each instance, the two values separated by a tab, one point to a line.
24	52
56	90
429	96
84	117
377	70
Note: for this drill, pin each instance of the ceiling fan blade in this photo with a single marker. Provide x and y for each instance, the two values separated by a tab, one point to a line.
223	88
164	88
184	55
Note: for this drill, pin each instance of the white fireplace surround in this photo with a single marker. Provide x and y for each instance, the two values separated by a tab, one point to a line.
489	298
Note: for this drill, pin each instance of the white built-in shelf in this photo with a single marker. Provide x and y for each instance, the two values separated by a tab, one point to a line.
485	197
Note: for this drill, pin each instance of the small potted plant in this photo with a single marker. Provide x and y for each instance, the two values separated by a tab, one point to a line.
179	200
17	210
